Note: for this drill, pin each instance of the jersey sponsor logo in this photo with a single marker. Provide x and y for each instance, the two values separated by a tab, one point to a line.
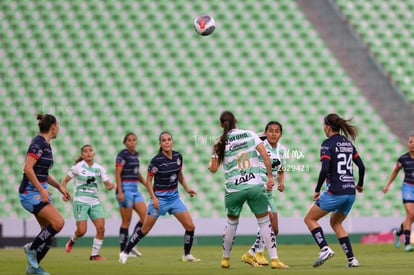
346	178
154	170
344	144
173	177
90	180
275	163
348	185
178	162
236	137
238	146
244	178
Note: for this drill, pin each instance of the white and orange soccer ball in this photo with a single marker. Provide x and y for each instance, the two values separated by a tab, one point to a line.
204	25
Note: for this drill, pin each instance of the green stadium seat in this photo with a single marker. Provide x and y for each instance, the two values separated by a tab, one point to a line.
385	28
135	66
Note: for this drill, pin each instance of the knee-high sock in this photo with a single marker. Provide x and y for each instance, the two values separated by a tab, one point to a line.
229	236
43	249
96	247
45	234
268	236
123	237
346	247
258	245
400	230
138	226
407	235
188	241
135	238
319	237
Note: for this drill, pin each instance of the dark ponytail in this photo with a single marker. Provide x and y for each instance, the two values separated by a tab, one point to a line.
228	122
45	121
338	123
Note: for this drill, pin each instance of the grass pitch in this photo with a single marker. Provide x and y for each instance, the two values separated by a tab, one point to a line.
374	259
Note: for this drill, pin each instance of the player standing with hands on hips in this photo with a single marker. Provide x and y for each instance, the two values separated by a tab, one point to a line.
405	162
337	155
238	150
35	196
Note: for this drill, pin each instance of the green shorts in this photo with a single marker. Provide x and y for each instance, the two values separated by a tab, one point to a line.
255	198
271	202
83	210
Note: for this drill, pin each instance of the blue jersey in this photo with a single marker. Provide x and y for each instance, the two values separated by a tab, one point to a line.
340	153
165	172
406	162
129	161
39	149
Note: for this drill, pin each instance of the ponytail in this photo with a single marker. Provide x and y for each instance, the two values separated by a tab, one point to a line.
337	123
45	121
228	122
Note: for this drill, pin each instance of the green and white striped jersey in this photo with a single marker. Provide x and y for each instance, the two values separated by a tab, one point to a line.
241	160
277	157
86	181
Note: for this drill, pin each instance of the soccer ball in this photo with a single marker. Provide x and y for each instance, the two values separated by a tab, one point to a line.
204	25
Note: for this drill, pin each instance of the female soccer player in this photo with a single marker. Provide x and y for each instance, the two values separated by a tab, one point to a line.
405	161
129	197
277	153
166	170
87	174
337	155
35	196
237	150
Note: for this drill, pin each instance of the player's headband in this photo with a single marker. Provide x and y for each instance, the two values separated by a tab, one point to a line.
336	129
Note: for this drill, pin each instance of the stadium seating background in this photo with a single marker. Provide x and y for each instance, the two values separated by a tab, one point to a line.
105	68
386	27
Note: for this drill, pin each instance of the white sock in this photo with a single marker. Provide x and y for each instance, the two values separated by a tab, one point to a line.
97	244
268	236
258	245
262	245
229	236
